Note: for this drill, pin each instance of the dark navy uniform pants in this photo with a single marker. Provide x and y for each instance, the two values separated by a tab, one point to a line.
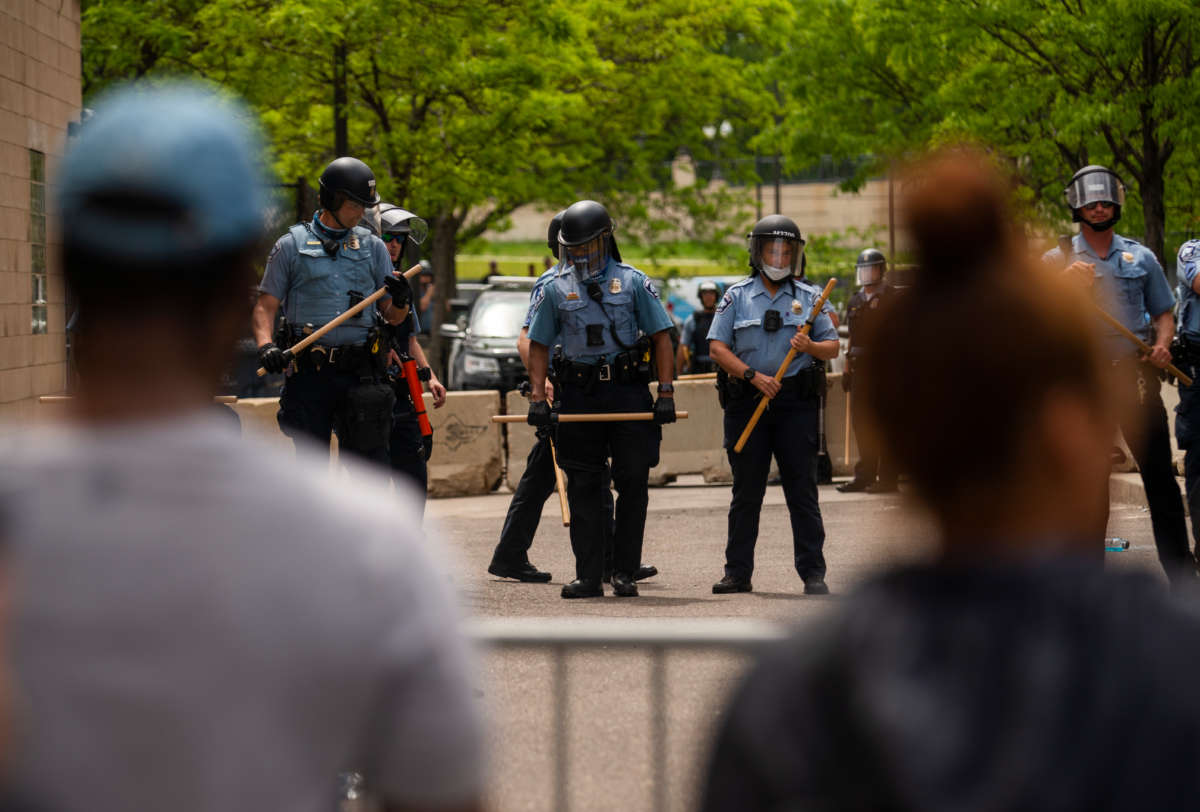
406	449
1146	431
583	453
1187	434
870	463
538	484
787	430
314	401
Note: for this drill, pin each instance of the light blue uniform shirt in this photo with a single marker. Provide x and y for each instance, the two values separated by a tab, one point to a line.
314	287
739	319
535	293
1189	303
563	310
1130	285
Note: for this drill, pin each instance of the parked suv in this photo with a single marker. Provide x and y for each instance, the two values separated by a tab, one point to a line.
487	356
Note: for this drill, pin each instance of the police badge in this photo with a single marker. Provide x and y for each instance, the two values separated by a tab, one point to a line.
614	285
796	306
1128	257
352	243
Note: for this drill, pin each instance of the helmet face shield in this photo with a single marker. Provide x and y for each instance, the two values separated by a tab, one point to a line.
395	220
776	257
870	274
1098	185
587	258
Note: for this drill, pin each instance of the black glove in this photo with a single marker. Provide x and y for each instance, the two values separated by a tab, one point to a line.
272	358
399	289
664	410
539	413
427	444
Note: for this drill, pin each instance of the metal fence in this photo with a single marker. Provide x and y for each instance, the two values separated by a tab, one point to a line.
655	636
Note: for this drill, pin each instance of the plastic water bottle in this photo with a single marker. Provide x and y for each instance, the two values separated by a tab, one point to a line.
1116	544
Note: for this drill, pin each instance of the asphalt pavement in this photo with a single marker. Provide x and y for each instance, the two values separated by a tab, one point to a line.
610	763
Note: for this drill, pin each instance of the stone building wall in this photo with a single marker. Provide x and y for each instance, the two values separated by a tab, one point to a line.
40	92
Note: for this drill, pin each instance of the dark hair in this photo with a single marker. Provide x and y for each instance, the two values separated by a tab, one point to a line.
978	342
102	283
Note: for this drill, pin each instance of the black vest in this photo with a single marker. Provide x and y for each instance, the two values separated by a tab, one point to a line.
703	322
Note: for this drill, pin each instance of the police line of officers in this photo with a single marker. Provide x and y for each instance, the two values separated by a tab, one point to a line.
596	335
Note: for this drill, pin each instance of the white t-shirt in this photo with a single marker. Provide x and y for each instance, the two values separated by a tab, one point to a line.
205	623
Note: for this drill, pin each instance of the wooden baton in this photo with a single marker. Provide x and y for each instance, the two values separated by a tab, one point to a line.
805	328
301	345
560	486
1142	345
597	417
697	376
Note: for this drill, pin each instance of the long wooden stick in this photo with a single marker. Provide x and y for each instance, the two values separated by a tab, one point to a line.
301	345
1142	345
697	376
561	486
227	399
598	417
805	328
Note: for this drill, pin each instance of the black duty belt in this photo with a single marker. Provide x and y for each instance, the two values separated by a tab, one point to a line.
318	356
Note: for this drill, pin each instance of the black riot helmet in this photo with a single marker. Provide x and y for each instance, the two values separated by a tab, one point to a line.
1095	184
350	177
767	231
552	233
870	267
585	237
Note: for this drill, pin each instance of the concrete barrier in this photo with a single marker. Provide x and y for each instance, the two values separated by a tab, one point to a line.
467	453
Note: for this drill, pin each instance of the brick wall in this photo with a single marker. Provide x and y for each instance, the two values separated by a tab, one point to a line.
39	94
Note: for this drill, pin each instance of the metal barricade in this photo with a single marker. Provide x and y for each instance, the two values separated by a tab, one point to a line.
657	636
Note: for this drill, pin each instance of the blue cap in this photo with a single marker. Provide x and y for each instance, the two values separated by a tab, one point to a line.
161	172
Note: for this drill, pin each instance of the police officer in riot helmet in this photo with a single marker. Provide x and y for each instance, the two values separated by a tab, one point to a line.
1128	283
869	272
316	271
409	447
693	340
755	325
595	307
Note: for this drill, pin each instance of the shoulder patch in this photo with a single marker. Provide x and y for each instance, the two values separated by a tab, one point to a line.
1189	251
539	293
726	301
649	286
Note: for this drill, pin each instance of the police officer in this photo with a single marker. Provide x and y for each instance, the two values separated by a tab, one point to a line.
695	330
869	271
1186	351
317	271
539	480
1128	282
409	449
756	324
595	306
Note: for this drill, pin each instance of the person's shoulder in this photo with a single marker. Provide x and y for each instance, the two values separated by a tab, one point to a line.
1132	250
1190	251
1055	254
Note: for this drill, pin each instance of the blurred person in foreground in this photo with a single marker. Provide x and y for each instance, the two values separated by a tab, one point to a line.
204	622
1010	671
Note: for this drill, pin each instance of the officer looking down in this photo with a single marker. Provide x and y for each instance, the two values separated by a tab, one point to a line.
1127	282
595	306
693	340
755	325
316	271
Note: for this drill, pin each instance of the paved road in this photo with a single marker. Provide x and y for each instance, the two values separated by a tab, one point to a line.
609	719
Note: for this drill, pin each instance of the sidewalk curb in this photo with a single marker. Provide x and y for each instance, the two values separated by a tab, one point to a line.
1127	489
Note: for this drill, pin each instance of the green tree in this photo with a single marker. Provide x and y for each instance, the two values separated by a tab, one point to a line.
1051	86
